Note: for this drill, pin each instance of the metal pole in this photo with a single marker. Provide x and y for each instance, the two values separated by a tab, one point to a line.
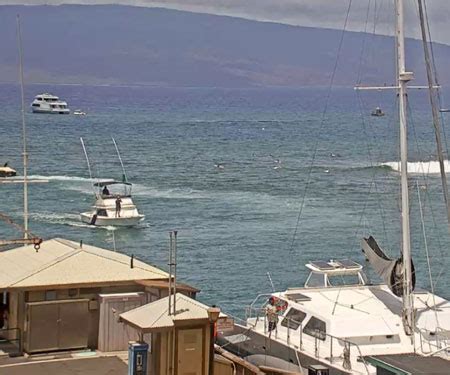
175	272
434	108
24	132
88	164
403	78
125	179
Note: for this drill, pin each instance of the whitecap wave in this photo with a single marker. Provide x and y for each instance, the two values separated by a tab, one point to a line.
418	167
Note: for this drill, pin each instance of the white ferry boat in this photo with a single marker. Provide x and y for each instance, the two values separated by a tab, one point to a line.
48	103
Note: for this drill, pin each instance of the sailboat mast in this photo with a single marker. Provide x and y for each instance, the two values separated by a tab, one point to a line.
403	78
24	133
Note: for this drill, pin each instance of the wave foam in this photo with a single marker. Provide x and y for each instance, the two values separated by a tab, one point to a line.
419	167
58	178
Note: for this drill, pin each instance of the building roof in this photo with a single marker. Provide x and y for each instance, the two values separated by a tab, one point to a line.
155	316
62	262
164	284
411	364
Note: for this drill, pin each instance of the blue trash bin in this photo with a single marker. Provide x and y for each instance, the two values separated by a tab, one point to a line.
137	358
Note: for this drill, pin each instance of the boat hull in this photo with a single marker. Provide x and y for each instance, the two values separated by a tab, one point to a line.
52	112
7	174
262	351
103	221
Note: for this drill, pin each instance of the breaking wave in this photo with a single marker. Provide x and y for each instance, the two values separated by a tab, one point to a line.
419	167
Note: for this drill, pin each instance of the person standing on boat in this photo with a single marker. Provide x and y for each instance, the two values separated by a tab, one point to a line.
272	315
118	206
105	190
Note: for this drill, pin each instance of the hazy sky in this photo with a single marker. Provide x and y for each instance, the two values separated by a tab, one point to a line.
317	13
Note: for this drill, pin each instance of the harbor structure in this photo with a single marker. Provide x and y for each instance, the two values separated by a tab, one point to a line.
68	295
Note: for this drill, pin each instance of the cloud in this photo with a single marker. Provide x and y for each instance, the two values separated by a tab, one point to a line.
314	13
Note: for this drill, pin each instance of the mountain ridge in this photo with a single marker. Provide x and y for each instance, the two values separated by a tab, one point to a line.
115	44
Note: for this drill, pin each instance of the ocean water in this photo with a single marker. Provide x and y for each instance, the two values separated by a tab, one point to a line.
238	223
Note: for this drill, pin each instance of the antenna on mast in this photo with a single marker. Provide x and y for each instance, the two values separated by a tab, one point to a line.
87	161
124	174
24	132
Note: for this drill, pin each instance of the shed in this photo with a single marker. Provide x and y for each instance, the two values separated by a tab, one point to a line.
53	295
181	340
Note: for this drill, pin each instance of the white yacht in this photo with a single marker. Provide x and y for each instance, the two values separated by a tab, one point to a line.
113	205
48	103
340	323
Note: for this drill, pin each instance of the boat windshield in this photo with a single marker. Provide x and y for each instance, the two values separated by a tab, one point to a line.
341	280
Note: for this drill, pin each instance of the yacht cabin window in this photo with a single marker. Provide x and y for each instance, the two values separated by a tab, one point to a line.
317	328
315	280
341	280
293	319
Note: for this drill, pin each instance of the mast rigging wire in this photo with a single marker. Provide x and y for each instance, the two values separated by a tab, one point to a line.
322	122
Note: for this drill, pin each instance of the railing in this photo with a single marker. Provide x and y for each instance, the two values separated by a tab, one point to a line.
257	311
436	341
11	341
321	339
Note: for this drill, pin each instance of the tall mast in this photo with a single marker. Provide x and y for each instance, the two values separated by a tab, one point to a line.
24	132
403	78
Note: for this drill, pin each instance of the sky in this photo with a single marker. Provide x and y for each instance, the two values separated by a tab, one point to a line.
314	13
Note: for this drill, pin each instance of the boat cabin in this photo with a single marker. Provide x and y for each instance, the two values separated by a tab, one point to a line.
113	188
335	273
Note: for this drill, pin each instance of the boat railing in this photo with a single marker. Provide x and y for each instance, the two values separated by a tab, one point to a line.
337	347
437	341
254	312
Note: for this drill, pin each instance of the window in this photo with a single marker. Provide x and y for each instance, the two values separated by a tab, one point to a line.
50	295
315	280
101	212
293	319
342	280
316	327
40	99
36	105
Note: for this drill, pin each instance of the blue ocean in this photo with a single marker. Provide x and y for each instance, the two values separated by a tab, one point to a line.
305	174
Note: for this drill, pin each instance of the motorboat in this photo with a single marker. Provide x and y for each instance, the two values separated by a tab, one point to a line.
113	202
337	321
113	205
377	112
7	171
48	103
79	112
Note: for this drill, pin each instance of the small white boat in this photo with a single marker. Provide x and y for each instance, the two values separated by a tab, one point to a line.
6	171
79	112
48	103
113	208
